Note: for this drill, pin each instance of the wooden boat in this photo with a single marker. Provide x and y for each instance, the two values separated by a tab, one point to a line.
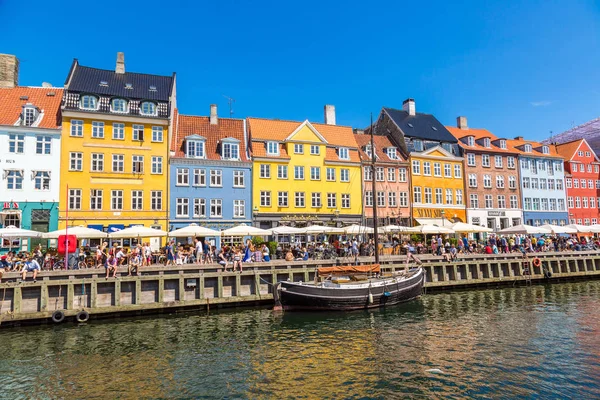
338	291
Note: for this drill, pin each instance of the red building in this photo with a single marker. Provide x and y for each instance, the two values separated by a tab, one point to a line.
582	181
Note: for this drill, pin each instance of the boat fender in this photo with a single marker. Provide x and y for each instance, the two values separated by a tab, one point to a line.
82	316
58	316
537	262
547	274
435	371
370	298
387	294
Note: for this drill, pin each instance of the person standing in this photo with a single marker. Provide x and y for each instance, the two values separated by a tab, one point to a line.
199	252
170	253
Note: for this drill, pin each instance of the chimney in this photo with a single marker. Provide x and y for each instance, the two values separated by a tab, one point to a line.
408	105
120	69
519	138
9	71
214	120
329	114
461	122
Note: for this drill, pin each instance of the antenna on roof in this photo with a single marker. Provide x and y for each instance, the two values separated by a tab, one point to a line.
230	100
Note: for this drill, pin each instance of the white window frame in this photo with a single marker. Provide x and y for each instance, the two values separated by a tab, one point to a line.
216	178
118	131
97	129
76	128
239	179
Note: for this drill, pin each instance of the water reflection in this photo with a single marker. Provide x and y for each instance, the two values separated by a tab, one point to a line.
517	342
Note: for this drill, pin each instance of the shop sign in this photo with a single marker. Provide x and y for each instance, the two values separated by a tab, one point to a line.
435	212
299	218
496	213
9	205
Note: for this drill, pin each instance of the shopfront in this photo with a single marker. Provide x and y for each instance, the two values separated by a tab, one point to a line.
495	219
40	216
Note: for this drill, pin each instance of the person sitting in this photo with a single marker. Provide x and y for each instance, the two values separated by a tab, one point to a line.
237	259
31	265
266	253
257	255
134	263
120	257
488	249
111	266
289	256
222	259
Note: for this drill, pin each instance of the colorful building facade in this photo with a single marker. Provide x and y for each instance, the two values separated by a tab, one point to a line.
493	195
115	148
582	181
390	177
436	178
210	173
304	173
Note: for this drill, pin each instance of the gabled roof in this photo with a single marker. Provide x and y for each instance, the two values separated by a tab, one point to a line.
569	149
188	125
381	142
420	126
309	126
87	80
536	148
11	105
479	134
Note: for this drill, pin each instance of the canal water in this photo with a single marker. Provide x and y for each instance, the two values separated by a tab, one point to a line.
529	342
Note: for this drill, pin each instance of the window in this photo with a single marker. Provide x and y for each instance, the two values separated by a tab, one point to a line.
273	148
97	162
534	167
543	184
576	183
195	149
282	172
381	199
118	163
265	171
298	148
514	203
137	132
473	180
449	197
583	184
331	200
368	173
561	205
216	208
577	202
41	180
200	177
16	143
299	172
470	141
471	159
536	204
43	145
239	180
512	182
316	200
118	105
498	161
417	194
300	200
418	144
14	180
428	195
527	203
74	199
416	167
156	200
487	142
98	129
437	169
510	162
75	161
457	171
369	199
474	201
231	151
544	204
596	168
527	148
344	175
392	153
96	199
392	199
118	131
592	202
282	198
526	183
501	201
447	171
550	184
314	149
591	183
88	102
545	150
157	134
343	153
379	176
199	208
265	198
584	200
438	196
589	168
524	164
183	207
239	209
368	151
459	196
391	174
570	201
345	200
157	163
426	168
315	173
137	200
182	176
500	182
502	144
580	153
534	183
403	199
137	164
330	174
485	160
116	200
574	167
148	108
597	184
76	128
489	201
402	174
569	183
216	178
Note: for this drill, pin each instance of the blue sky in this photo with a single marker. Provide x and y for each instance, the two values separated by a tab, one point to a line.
513	67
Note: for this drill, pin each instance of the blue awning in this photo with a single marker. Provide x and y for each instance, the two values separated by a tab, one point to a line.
115	228
96	227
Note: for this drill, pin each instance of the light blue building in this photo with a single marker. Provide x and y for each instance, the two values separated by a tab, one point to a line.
210	177
542	183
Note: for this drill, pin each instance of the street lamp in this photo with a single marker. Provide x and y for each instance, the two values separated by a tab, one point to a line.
443	213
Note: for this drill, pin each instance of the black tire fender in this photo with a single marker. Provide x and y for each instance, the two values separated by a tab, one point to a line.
82	316
58	316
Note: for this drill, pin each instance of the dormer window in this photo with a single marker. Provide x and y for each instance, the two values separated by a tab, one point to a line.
470	141
502	144
129	86
487	142
148	108
343	153
30	114
118	105
447	147
273	148
230	150
527	148
368	151
392	153
418	143
103	83
195	148
545	150
88	102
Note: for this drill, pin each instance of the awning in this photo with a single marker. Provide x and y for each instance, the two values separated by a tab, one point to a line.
97	227
6	213
115	228
435	221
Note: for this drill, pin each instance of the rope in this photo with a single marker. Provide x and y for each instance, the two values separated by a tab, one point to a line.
265	281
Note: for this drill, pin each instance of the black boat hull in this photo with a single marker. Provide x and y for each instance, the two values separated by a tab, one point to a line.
294	296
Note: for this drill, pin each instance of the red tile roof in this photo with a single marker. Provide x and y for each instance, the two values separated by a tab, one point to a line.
567	150
11	105
260	150
187	125
381	142
536	148
477	135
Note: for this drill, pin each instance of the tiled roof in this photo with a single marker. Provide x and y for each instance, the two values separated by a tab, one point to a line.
87	80
11	105
567	150
477	135
536	148
420	126
279	130
331	154
225	128
381	142
260	150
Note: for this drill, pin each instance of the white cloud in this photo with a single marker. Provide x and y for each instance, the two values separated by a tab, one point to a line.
542	103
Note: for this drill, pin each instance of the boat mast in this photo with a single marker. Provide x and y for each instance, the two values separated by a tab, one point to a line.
373	174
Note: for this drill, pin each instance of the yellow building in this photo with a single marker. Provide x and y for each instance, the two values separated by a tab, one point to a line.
304	173
114	150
